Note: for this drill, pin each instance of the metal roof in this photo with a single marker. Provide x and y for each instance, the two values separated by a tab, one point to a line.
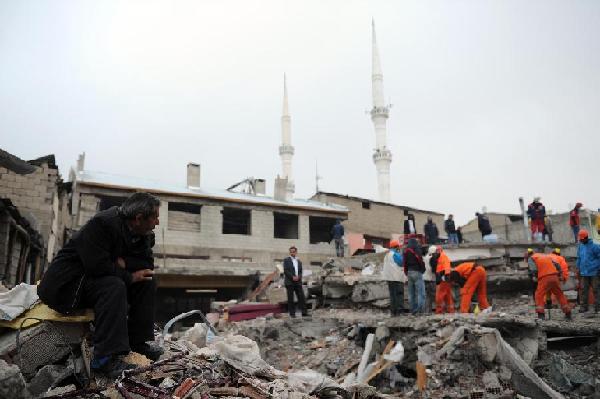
93	178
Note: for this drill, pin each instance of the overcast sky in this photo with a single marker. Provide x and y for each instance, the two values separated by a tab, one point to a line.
492	100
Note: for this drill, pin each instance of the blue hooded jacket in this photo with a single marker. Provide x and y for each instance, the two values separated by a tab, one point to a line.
588	258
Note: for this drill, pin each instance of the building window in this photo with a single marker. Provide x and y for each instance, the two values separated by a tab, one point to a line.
236	221
108	201
285	225
320	229
184	216
366	205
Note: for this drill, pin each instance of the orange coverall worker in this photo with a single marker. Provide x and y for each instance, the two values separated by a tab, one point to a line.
548	272
475	277
443	291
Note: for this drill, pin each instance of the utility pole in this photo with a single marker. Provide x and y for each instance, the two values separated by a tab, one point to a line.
317	177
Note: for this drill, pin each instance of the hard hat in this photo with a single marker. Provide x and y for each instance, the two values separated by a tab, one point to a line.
394	244
583	234
557	251
432	249
529	250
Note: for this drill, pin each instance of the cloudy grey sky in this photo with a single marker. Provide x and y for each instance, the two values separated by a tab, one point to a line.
491	99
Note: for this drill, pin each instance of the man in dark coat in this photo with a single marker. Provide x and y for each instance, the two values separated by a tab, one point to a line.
483	223
108	266
292	271
431	231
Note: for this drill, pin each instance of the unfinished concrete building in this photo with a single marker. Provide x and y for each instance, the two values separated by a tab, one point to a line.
30	192
213	245
376	223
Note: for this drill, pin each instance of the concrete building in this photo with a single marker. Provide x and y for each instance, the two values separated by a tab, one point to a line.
32	193
213	245
382	157
376	223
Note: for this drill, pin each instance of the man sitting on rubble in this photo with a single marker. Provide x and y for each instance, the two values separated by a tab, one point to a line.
444	301
548	274
108	266
470	277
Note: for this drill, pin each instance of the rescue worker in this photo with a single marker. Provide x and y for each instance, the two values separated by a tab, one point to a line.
564	267
548	275
536	212
574	220
470	277
393	273
588	267
444	301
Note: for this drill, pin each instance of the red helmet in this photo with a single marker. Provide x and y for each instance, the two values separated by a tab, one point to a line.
583	234
394	244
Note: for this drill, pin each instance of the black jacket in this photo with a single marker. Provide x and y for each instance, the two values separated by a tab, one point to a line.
484	225
93	252
407	227
431	233
449	226
289	272
413	257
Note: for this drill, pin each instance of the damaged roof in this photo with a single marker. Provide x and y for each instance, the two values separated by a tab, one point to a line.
15	164
108	180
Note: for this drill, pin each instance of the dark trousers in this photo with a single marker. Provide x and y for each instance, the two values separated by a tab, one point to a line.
396	297
297	288
123	316
594	283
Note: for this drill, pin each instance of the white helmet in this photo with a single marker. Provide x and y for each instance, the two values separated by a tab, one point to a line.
432	249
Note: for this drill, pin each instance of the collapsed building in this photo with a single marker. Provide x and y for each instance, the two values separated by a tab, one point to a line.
214	245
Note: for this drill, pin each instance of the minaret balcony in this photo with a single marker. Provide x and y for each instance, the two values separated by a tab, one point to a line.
382	155
380	111
286	149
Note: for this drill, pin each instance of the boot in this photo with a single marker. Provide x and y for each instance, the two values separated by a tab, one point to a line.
568	316
151	351
583	309
111	366
541	316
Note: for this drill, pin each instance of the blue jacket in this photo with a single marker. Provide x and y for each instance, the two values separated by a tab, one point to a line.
588	258
398	259
337	231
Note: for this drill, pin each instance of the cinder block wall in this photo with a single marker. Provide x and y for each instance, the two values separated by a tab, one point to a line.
32	193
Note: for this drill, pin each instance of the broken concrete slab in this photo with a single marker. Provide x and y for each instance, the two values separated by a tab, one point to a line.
47	377
12	383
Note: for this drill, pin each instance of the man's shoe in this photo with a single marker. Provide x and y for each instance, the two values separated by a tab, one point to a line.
111	366
568	316
583	309
541	316
151	351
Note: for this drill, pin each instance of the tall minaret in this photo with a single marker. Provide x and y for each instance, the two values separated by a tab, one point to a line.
286	150
379	114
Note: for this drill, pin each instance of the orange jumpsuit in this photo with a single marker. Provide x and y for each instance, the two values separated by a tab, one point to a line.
476	281
549	282
443	291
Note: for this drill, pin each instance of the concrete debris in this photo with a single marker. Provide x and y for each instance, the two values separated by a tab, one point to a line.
12	383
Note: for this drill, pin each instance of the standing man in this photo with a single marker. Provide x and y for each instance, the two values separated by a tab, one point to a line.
409	225
108	266
483	223
548	274
395	277
549	230
337	232
459	235
431	231
292	271
588	267
574	220
536	211
414	267
450	229
470	277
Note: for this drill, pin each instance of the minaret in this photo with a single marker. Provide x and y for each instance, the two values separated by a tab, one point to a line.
286	150
379	114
